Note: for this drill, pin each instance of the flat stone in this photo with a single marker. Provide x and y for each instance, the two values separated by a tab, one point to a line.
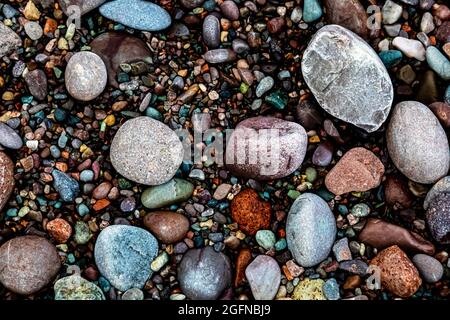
219	56
146	151
349	14
168	227
247	151
442	186
28	264
310	230
123	255
358	170
381	234
77	288
67	187
204	274
176	190
9	138
347	78
250	211
417	143
33	30
211	31
438	217
81	6
85	76
410	48
341	250
137	14
116	48
438	62
36	81
6	179
264	277
9	40
429	268
398	274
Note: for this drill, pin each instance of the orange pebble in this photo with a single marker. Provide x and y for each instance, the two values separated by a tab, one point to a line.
101	204
50	25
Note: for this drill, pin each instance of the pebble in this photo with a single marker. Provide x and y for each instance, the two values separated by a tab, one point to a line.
264	277
310	230
442	186
264	85
339	76
84	6
297	14
102	190
355	266
323	155
211	31
240	46
398	274
250	211
28	264
168	227
9	40
36	81
331	289
358	170
9	138
288	148
349	14
438	217
229	9
204	274
85	76
341	250
219	56
33	30
82	233
391	58
123	255
312	10
77	288
59	229
192	4
410	48
174	191
396	192
222	191
31	12
6	179
427	23
429	268
67	187
391	12
360	210
381	234
443	32
309	289
137	14
127	49
146	151
417	143
266	239
438	62
133	294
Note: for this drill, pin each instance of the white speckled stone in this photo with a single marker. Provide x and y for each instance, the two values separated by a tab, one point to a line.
264	276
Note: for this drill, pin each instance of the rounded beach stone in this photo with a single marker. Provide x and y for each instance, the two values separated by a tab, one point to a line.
9	138
349	14
347	78
250	211
146	151
85	76
264	276
211	31
310	230
123	255
36	81
266	148
167	226
358	170
438	217
417	143
429	268
176	190
28	264
204	274
76	288
84	6
59	229
442	186
6	179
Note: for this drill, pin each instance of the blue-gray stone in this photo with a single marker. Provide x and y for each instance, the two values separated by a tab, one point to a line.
137	14
312	10
9	11
356	266
331	289
310	230
66	186
123	255
9	138
430	269
391	58
438	62
87	175
76	288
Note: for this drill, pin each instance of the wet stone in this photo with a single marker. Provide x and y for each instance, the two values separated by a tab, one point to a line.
9	138
167	226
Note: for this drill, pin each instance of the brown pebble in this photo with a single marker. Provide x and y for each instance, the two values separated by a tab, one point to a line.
442	111
396	192
352	282
398	274
275	25
242	261
250	211
167	226
60	230
6	179
102	190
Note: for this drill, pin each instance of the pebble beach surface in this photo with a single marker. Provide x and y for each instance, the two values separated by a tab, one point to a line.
224	149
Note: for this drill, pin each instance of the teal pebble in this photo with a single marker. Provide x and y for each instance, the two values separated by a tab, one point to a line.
104	284
82	210
438	62
312	10
360	210
27	99
391	58
60	114
266	239
280	244
342	209
277	99
153	113
12	212
331	289
70	258
87	175
325	195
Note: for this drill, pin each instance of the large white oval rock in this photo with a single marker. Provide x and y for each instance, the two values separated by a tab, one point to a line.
347	78
417	143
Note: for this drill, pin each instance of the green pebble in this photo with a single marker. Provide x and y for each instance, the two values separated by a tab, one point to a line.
23	211
311	174
124	184
243	88
293	194
173	191
82	232
266	239
57	72
360	210
160	261
76	288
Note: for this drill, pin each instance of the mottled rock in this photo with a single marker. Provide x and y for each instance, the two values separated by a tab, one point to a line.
9	138
310	230
264	276
59	229
123	255
323	155
358	170
331	289
250	211
442	186
81	6
211	31
349	14
9	40
28	264
6	179
438	62
347	78
85	76
341	250
167	226
146	151
391	12
36	81
398	274
33	30
443	32
67	187
220	55
266	148
438	217
204	274
230	9
242	261
410	48
417	143
309	289
429	268
137	14
77	288
312	10
381	234
176	190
